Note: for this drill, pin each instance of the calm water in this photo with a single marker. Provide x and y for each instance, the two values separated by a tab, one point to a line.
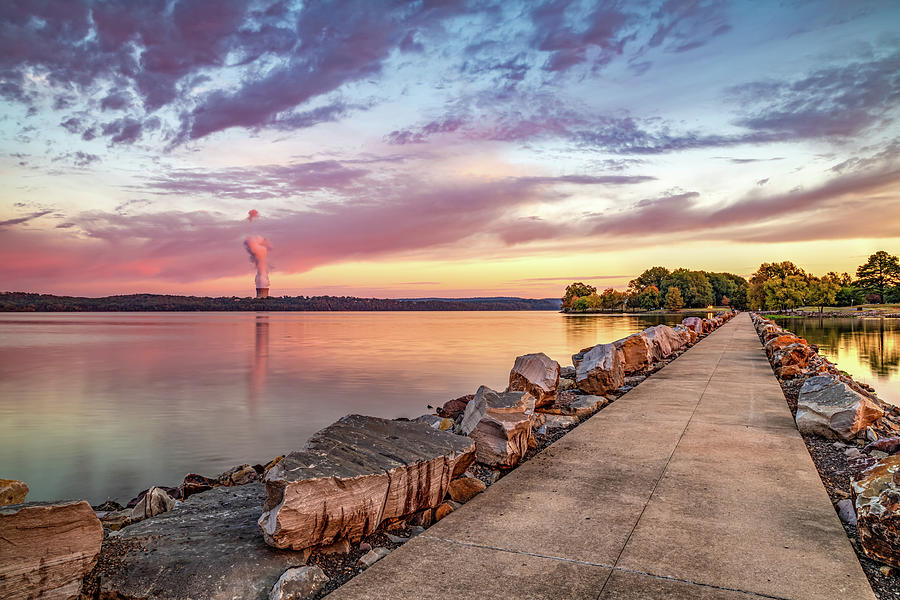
868	349
97	405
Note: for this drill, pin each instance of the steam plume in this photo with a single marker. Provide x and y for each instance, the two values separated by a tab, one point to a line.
259	247
252	214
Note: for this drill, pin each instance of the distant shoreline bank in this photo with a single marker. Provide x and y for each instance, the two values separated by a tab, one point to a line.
28	302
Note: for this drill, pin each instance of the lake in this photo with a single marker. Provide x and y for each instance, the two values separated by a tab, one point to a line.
867	349
103	405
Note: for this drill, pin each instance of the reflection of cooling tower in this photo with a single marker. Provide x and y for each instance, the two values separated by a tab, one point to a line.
262	292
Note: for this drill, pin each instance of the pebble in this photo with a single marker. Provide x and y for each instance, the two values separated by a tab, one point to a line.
416	530
397	539
372	556
365	546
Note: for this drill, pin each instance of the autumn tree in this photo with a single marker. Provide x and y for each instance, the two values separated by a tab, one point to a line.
879	274
576	290
653	276
674	301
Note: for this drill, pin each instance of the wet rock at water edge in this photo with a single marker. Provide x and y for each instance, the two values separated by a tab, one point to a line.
536	374
453	409
501	425
299	583
435	422
209	547
239	475
46	549
830	408
155	502
355	474
12	491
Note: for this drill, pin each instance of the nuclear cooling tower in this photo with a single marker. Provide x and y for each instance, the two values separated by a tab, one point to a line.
262	292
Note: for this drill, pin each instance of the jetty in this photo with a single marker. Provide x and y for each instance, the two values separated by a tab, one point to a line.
695	484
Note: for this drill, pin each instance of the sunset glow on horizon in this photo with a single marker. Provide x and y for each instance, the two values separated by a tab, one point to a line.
440	149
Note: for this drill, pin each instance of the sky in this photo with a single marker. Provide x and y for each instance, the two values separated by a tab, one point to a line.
440	148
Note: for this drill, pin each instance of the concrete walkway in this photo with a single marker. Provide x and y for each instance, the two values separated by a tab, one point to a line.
695	484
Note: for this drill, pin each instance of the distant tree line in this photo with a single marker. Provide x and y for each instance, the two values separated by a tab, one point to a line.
657	287
24	302
784	285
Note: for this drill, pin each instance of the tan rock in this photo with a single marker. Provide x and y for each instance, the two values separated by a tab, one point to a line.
600	369
355	474
47	549
876	496
465	488
553	422
442	511
501	425
693	323
536	374
12	491
636	352
155	502
830	408
782	341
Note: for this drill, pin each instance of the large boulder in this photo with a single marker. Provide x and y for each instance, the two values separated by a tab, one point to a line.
830	408
876	495
636	351
693	323
686	333
47	549
501	425
12	491
536	374
356	473
209	547
599	370
664	341
452	409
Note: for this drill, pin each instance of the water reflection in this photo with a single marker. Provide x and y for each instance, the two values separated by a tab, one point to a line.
258	371
868	349
103	405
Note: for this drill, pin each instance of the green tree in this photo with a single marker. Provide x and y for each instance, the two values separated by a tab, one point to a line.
694	286
756	293
785	292
849	295
880	273
653	276
650	298
576	290
822	291
674	301
594	301
580	304
728	285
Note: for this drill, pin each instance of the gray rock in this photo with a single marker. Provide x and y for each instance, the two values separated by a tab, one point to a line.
554	422
372	556
299	583
587	405
846	511
416	530
397	539
355	474
567	373
830	408
208	548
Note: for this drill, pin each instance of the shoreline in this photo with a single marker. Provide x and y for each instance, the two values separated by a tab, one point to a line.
571	401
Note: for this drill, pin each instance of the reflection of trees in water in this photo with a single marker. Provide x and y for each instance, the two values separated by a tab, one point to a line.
875	341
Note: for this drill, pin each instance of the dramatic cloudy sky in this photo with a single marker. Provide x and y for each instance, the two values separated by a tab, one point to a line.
441	147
